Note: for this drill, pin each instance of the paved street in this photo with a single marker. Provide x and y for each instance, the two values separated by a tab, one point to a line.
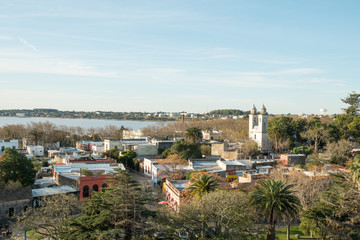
140	177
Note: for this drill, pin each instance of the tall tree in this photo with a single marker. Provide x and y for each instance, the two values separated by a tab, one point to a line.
274	198
36	135
14	166
317	132
337	211
117	213
184	149
353	100
127	158
193	134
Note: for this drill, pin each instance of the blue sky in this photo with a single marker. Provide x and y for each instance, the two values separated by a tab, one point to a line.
179	55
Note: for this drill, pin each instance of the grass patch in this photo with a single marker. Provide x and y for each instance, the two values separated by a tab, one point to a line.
281	233
34	235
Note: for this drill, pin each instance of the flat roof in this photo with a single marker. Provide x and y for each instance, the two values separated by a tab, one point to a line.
136	143
74	176
233	162
45	180
52	191
180	184
183	167
204	163
108	168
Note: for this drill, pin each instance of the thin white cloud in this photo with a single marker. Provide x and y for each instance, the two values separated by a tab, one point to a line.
6	38
323	81
23	41
294	71
277	62
301	71
51	66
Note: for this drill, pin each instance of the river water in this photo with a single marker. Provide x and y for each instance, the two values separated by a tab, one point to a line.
84	123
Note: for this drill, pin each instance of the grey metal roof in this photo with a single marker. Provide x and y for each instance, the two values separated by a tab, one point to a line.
52	191
180	185
76	167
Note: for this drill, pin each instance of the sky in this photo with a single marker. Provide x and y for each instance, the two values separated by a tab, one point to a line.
179	55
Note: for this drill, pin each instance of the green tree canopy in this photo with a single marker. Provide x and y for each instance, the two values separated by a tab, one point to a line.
202	184
337	210
127	158
184	149
14	166
317	132
113	153
353	100
281	129
117	213
227	112
193	134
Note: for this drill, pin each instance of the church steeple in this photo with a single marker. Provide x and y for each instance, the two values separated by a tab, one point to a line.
253	110
263	110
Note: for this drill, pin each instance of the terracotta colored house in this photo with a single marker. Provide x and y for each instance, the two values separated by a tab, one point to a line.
90	184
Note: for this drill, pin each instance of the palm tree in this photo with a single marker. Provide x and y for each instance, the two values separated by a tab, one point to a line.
276	131
275	199
203	184
194	134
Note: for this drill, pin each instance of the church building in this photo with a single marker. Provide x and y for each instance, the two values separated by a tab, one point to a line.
257	128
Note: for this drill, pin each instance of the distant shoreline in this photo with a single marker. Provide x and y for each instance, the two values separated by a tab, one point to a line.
110	119
78	122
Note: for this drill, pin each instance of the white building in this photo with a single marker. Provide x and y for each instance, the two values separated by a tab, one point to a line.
148	165
257	128
110	144
35	150
132	134
13	144
97	149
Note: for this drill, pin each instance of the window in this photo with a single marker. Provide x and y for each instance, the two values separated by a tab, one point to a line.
85	191
11	212
2	148
103	187
96	188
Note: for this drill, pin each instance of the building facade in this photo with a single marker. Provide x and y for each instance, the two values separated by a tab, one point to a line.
35	150
13	144
14	201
